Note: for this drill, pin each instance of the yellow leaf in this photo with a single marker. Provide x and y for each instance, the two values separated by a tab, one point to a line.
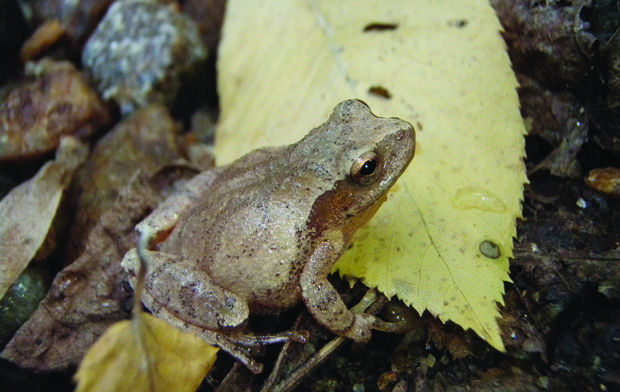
145	354
442	241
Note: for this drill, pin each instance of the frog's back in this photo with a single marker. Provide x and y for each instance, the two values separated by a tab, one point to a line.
253	233
248	234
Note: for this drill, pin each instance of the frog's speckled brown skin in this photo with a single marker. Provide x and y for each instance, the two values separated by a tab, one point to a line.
265	231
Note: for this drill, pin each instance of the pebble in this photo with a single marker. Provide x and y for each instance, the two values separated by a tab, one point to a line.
141	52
53	101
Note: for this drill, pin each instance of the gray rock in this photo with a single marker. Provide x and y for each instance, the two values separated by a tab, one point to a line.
141	52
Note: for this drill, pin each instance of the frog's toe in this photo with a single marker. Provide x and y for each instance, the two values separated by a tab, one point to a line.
361	329
242	356
249	340
300	336
392	327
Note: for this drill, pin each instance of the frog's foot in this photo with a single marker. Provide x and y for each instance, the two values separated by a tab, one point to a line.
241	354
373	322
240	346
371	298
363	324
391	326
178	289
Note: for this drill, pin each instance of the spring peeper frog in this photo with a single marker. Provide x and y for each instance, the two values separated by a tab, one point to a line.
261	234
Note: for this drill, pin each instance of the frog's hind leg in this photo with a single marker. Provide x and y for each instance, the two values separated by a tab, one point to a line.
185	296
216	338
240	346
186	292
250	340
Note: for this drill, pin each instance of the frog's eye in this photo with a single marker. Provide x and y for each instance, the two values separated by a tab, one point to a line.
364	169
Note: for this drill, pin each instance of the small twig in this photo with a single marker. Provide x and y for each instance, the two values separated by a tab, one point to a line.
143	243
137	322
295	378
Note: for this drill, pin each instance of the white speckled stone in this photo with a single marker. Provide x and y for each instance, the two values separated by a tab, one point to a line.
140	53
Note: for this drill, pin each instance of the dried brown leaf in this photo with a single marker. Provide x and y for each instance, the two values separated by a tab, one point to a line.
144	140
44	36
88	295
606	180
28	210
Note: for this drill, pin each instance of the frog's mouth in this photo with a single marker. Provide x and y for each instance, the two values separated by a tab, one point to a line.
359	220
398	148
345	206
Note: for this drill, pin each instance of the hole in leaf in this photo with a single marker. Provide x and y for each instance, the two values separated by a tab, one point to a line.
459	23
489	249
377	26
380	91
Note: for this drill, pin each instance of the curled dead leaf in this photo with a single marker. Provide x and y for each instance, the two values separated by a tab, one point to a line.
44	36
606	180
28	210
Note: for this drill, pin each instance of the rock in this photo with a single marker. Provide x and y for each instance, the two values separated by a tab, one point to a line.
36	113
20	301
606	180
145	141
141	52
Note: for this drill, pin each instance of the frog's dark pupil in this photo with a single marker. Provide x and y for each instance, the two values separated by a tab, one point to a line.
368	167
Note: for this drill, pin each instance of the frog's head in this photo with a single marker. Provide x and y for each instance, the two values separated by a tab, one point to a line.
358	157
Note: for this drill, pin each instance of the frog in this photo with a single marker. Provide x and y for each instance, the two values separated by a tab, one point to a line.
260	235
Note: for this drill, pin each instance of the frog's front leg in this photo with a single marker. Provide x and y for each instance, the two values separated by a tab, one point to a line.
324	302
162	220
187	292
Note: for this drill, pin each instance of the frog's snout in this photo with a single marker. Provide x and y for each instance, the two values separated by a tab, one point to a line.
405	138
